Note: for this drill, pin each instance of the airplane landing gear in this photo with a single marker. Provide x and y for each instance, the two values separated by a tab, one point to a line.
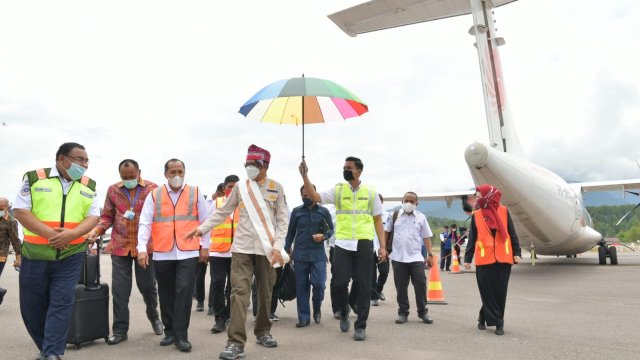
605	252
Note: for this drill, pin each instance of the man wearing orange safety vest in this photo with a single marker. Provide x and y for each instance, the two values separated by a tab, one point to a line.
56	207
220	258
168	214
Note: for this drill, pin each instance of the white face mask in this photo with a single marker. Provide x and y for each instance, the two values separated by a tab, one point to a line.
2	213
176	181
408	207
252	172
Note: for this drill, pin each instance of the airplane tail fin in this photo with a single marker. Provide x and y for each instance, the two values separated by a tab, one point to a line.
502	132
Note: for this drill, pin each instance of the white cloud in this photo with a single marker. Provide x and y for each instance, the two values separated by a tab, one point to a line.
152	80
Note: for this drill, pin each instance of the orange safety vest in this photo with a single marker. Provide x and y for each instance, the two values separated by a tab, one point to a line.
490	249
222	235
172	223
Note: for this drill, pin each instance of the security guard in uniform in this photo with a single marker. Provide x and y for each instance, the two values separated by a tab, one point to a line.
358	215
56	206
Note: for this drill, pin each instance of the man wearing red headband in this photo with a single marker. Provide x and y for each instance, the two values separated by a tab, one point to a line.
257	248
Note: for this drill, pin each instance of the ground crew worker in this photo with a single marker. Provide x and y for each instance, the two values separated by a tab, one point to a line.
56	206
8	235
358	215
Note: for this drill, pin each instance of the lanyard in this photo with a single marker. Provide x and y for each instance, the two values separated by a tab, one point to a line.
135	198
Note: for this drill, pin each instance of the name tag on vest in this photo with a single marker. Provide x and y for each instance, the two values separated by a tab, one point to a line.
42	189
86	194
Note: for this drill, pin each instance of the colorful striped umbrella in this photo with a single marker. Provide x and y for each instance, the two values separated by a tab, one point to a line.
301	101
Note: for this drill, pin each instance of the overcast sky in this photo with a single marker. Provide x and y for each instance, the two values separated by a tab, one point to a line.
151	80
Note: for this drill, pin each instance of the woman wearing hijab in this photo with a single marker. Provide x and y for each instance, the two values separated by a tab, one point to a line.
494	242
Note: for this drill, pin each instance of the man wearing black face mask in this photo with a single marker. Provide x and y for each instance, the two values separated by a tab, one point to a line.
358	216
309	226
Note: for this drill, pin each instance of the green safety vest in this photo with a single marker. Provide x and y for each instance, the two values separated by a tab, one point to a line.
354	212
55	209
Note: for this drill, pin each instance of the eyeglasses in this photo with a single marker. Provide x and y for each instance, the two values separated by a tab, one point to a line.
78	159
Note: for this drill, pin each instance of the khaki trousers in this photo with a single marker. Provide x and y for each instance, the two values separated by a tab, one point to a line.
243	268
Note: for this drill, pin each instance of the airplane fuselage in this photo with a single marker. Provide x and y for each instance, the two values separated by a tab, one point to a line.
546	211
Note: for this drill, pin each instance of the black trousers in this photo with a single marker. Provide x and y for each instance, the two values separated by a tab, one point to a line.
201	272
402	273
359	264
175	285
445	258
332	283
379	278
220	289
493	282
121	277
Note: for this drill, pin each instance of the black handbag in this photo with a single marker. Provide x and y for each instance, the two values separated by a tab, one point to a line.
286	290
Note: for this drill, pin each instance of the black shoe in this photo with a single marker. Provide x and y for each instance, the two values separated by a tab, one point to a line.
336	315
499	330
344	322
183	345
52	357
210	311
374	302
359	335
317	315
303	324
116	339
381	296
2	293
219	326
401	319
168	340
274	317
425	318
481	325
232	352
157	326
200	306
266	340
40	356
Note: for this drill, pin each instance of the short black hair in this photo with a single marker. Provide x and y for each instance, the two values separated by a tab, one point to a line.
166	165
412	193
66	148
229	179
220	188
127	162
446	226
302	188
454	225
358	162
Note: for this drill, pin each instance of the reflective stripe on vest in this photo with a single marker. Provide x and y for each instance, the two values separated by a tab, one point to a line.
172	223
490	249
222	235
54	209
354	212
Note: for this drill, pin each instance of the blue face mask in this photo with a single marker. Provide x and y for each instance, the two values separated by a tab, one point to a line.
130	184
76	171
307	202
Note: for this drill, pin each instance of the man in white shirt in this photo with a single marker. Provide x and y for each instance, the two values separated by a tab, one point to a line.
358	217
168	214
410	231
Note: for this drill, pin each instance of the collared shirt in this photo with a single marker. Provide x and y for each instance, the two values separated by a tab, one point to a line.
8	235
408	236
146	220
119	200
246	240
303	224
329	197
376	242
23	200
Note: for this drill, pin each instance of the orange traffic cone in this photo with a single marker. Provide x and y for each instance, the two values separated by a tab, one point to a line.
435	294
455	266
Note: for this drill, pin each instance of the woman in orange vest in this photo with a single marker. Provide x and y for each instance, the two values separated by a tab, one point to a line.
494	242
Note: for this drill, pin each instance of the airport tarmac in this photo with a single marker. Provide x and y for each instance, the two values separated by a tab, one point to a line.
561	308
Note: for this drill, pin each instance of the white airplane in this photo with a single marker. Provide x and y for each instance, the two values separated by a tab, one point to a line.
548	213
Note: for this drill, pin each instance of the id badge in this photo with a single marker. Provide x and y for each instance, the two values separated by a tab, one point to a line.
129	214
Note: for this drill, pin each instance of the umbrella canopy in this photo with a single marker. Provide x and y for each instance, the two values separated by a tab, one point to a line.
301	101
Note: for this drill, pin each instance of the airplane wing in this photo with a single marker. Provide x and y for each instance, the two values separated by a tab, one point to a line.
613	185
448	197
380	14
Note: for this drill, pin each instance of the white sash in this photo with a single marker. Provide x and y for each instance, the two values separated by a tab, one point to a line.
260	217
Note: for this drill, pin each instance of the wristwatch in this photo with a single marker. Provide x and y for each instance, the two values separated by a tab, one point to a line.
429	254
